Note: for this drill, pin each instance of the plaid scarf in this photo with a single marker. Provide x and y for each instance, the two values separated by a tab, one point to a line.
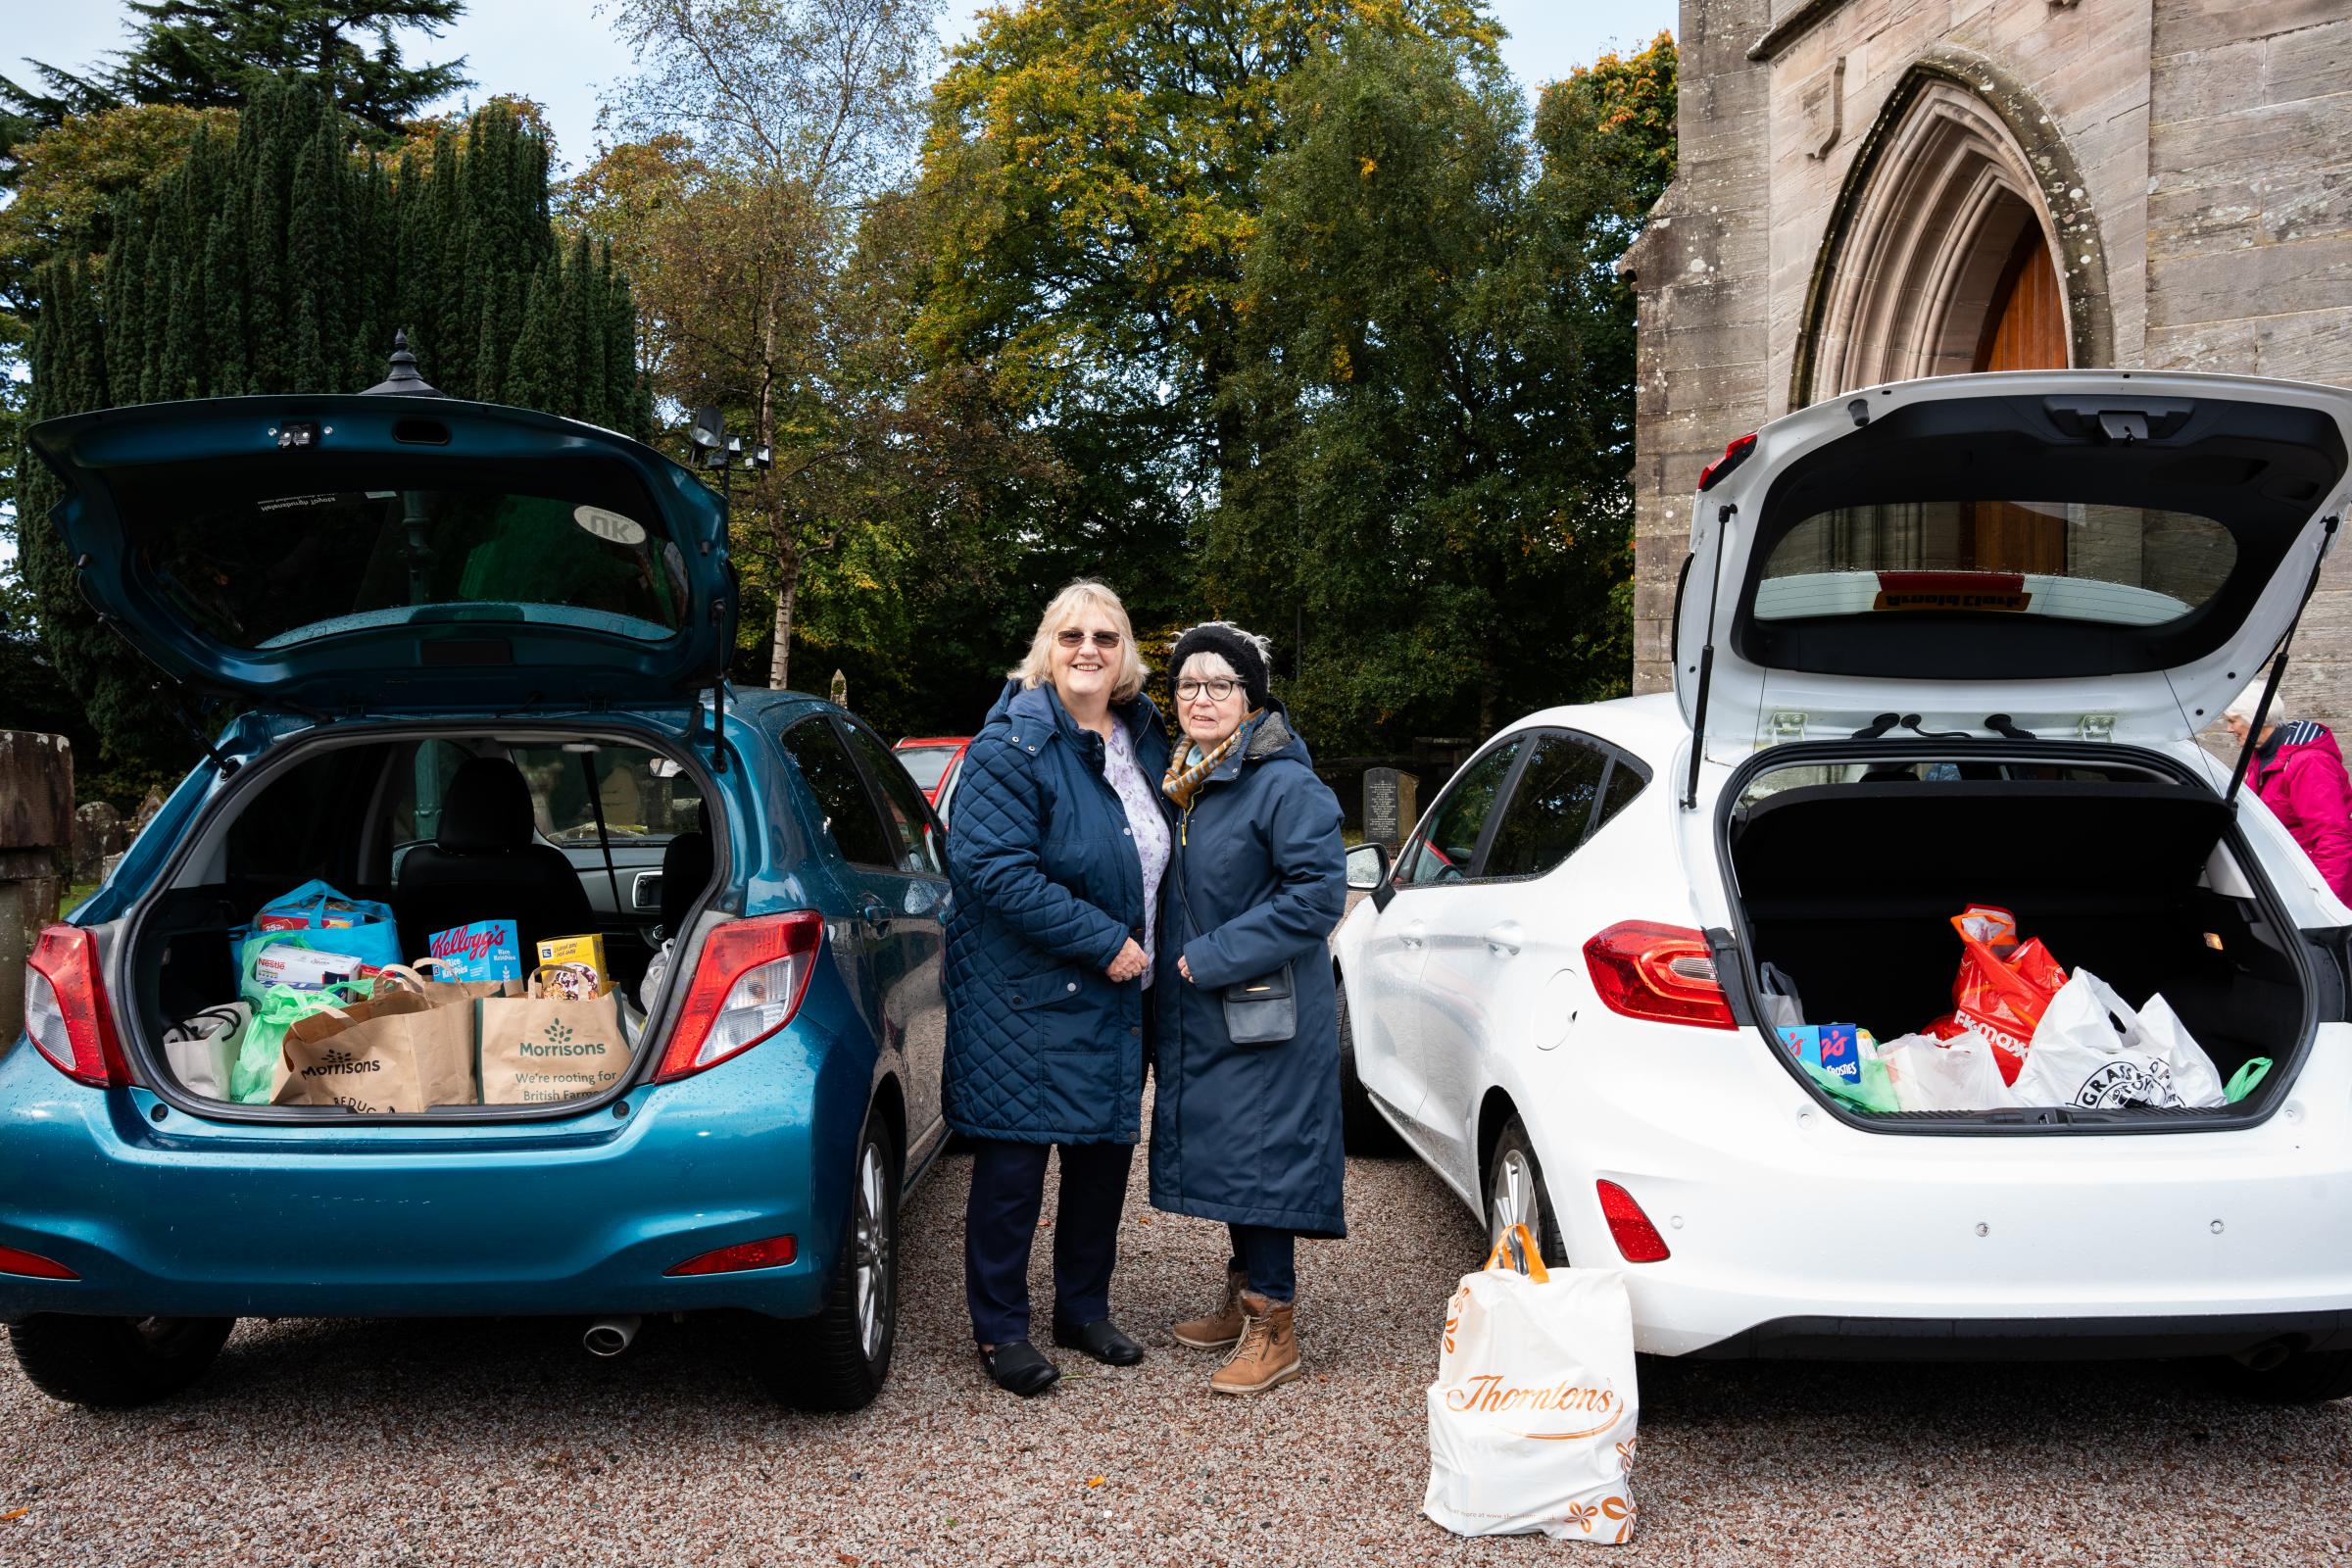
1184	782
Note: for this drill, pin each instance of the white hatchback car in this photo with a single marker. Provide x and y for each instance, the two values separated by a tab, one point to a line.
1940	643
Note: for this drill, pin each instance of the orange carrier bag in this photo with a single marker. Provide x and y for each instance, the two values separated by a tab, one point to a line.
2003	988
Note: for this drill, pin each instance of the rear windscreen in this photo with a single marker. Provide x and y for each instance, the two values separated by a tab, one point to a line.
2075	561
258	562
2100	531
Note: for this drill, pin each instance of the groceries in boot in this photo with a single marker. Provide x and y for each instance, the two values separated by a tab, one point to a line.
1532	1418
557	1042
574	965
202	1048
2023	1033
399	1051
480	950
354	937
1834	1049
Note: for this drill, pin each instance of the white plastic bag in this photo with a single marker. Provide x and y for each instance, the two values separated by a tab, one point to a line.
2094	1050
1531	1420
200	1048
1955	1074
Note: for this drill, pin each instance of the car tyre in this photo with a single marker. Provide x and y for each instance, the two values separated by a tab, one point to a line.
1363	1130
839	1358
2305	1377
116	1363
1516	1194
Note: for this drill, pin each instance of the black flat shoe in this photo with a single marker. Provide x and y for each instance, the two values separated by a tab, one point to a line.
1022	1368
1101	1340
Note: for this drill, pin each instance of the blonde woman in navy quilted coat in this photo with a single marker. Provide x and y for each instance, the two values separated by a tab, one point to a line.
1059	842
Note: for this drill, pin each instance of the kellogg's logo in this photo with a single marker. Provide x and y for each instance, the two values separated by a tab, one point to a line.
470	943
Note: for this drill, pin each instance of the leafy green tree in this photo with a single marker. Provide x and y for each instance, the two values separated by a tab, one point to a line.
279	259
1094	170
1440	389
217	54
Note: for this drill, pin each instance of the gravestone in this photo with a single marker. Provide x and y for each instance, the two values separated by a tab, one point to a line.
1392	805
36	849
97	834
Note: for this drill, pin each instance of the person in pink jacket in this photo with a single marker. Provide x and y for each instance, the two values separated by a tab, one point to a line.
2298	770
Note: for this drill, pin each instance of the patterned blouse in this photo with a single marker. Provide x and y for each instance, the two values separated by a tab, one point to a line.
1141	797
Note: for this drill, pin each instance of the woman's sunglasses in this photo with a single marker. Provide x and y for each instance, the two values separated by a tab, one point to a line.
1072	637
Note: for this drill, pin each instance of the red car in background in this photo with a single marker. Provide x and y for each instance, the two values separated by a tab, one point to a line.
934	762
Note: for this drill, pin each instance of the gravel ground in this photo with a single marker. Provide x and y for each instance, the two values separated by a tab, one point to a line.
359	1443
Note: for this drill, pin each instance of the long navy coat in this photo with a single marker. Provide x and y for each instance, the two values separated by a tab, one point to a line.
1251	1134
1041	1046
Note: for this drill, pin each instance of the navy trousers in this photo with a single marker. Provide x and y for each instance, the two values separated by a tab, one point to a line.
999	1220
1267	1256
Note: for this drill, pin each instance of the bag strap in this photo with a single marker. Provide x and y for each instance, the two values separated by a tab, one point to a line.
411	975
1518	1253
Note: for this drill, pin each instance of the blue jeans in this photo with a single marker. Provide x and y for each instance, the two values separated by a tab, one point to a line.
1267	1256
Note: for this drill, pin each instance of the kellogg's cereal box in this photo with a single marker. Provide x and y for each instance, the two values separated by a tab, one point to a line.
483	949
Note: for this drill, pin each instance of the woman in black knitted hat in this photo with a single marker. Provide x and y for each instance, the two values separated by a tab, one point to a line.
1245	1122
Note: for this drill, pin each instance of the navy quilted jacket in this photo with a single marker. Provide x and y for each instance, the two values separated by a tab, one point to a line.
1041	1046
1251	1134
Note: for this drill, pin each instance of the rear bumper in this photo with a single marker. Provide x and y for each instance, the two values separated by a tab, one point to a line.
2029	1339
182	1217
1792	1234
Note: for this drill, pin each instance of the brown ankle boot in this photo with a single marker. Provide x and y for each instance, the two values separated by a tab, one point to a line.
1268	1352
1221	1327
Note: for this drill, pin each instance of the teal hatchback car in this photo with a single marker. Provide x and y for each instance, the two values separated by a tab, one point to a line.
479	653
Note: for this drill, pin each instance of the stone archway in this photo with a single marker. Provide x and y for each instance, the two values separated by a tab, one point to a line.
1961	240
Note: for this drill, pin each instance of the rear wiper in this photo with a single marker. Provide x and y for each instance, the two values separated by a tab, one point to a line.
1910	721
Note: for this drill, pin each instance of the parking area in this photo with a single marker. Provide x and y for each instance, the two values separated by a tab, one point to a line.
359	1443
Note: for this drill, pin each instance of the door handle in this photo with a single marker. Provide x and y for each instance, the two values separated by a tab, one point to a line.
1505	938
877	919
1414	934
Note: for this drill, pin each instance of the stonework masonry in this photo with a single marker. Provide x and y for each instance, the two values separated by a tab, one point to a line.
2188	161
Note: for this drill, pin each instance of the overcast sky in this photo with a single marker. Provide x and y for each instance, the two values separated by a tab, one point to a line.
560	53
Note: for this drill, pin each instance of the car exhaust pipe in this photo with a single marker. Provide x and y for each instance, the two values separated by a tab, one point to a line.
607	1337
2266	1355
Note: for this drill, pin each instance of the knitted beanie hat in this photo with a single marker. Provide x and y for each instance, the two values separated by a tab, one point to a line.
1245	651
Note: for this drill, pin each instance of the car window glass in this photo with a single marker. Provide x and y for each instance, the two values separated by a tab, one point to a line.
423	782
1625	782
928	765
841	798
910	825
642	795
1549	810
1449	839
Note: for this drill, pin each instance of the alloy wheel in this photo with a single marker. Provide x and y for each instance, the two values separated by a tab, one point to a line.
872	1241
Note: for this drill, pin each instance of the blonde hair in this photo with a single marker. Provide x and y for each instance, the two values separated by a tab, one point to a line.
1036	666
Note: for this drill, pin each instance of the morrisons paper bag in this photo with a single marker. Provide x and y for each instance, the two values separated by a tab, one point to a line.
396	1053
536	1050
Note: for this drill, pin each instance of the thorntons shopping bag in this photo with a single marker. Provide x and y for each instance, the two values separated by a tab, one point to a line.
2094	1050
396	1052
1531	1420
546	1046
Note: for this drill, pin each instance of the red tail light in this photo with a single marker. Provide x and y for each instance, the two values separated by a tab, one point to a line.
1734	455
1635	1236
13	1261
773	1253
66	1015
748	986
1660	972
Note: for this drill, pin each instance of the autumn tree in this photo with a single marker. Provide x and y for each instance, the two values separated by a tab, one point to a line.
756	137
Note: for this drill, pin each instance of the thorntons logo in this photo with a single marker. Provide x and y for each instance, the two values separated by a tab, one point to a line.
339	1061
1489	1393
470	941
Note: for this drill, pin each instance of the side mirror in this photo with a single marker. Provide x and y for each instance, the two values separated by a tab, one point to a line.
1367	867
